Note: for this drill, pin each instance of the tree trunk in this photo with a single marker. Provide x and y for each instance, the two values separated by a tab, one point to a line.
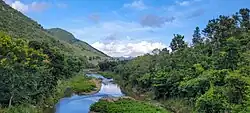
10	101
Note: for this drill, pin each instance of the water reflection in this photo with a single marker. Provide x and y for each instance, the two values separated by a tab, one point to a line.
81	104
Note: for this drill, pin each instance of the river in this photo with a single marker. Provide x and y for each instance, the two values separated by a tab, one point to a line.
81	104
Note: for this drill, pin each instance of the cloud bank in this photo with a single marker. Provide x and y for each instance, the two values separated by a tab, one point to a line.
122	48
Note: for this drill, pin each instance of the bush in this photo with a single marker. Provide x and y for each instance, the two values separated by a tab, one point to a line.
213	101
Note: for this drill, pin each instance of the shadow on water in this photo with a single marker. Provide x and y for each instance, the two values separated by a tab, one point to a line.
81	104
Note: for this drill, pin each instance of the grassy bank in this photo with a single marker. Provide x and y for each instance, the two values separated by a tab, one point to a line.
84	85
125	105
78	84
81	84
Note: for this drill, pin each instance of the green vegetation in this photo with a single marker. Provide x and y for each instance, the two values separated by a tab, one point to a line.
210	76
107	74
64	88
22	109
29	74
81	84
125	106
23	68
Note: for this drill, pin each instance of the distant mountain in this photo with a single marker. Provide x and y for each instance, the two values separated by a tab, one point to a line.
18	25
124	58
69	37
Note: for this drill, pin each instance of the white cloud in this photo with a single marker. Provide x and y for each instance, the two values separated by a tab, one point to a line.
186	2
183	3
138	4
37	7
34	6
19	6
8	1
123	48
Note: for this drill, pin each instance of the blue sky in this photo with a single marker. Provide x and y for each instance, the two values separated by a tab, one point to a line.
127	27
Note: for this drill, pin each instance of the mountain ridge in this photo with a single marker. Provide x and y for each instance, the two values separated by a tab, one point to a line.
70	38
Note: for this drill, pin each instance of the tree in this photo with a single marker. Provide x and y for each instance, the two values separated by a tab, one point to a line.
165	50
245	18
218	30
197	39
25	75
177	42
156	51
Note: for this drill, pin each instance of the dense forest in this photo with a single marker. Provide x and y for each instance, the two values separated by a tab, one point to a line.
210	76
30	70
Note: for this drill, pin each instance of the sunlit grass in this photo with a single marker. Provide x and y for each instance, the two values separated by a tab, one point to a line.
82	84
125	106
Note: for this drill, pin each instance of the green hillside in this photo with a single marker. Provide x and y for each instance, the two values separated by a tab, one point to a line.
15	24
69	37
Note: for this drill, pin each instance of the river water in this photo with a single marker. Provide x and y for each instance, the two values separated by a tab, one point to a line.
81	104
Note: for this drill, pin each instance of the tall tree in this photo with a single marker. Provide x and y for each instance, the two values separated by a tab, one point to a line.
245	22
197	39
177	42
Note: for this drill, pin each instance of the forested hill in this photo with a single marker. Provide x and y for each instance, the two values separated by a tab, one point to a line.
69	37
34	62
17	25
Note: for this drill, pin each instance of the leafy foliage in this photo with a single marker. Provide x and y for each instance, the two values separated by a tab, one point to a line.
30	71
177	42
22	68
197	39
125	106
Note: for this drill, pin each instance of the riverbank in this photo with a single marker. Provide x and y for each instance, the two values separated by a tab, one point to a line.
98	84
125	104
78	84
84	85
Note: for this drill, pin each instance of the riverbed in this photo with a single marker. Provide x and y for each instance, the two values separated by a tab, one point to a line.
82	103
